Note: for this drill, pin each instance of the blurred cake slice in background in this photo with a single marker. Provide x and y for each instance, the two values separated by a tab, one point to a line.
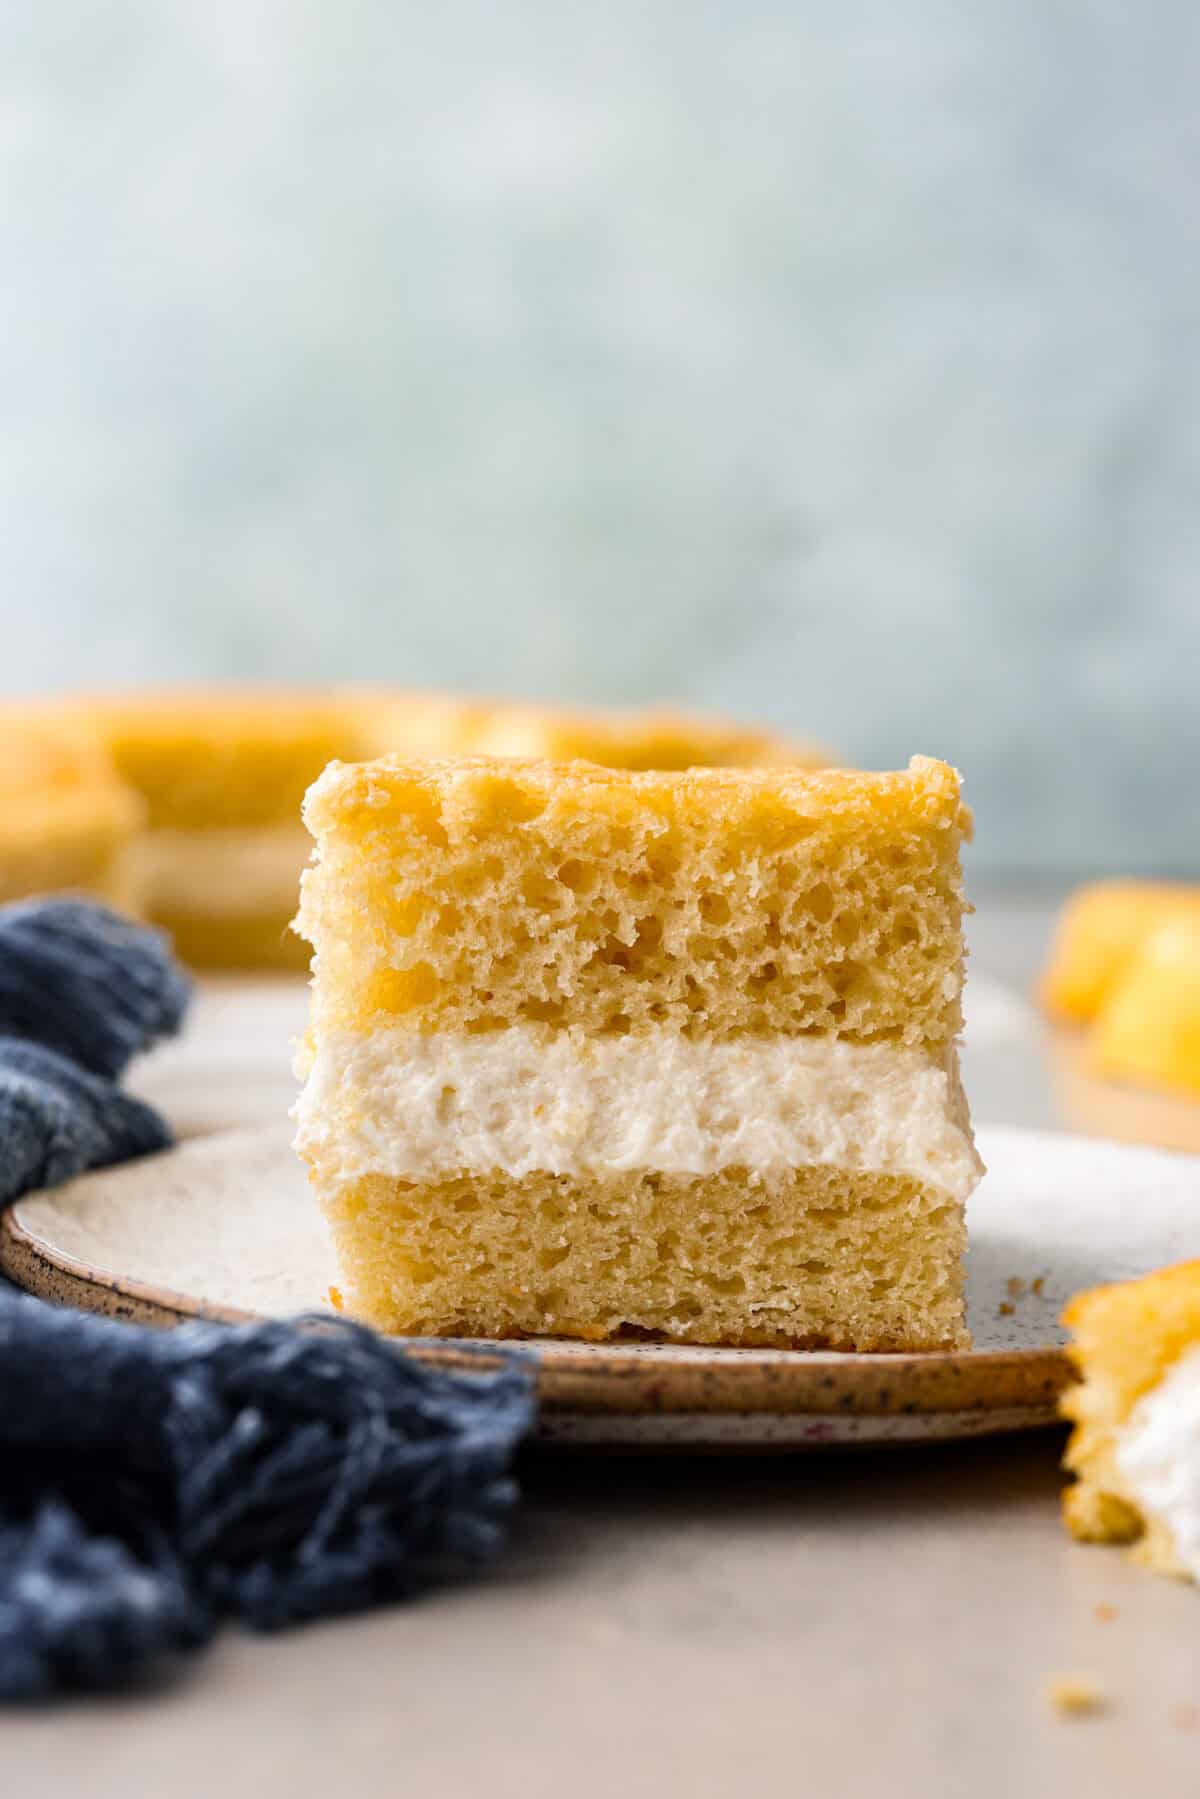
1148	1029
1135	1448
1099	930
596	1052
1123	984
632	737
221	774
67	820
647	738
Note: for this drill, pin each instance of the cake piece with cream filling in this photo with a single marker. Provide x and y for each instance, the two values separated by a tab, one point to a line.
596	1053
1135	1448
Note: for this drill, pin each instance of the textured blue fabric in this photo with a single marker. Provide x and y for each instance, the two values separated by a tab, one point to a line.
56	1119
82	980
81	1611
152	1482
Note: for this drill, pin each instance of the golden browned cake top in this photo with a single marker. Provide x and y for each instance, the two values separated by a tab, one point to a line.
506	793
480	893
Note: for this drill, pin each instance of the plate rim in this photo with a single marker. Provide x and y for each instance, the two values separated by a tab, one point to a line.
606	1378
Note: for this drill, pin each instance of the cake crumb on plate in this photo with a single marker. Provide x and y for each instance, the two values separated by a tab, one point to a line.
1075	1695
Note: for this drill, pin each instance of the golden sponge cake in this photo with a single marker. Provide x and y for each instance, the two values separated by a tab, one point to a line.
597	1052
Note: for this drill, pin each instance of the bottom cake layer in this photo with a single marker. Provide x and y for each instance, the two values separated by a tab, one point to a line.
813	1257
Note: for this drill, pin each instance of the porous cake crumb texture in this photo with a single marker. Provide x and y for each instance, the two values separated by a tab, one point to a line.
475	896
798	1258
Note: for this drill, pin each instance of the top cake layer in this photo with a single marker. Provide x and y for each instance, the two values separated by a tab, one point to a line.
481	894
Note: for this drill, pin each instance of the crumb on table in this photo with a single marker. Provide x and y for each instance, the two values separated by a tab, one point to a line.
1004	1309
1185	1716
1075	1695
1038	1285
1105	1613
336	1300
1015	1285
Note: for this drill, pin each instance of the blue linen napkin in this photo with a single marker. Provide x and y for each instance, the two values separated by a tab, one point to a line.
154	1482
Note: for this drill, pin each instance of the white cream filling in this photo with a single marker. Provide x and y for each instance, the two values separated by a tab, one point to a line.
223	872
527	1099
1158	1454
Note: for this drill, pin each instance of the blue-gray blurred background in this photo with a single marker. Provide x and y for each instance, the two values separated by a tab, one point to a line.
838	364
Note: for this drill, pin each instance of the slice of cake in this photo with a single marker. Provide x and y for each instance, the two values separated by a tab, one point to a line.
597	1052
1136	1444
67	820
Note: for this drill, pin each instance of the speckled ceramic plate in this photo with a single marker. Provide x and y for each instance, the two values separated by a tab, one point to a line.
223	1227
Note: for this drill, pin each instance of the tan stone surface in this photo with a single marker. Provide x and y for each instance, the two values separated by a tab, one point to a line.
879	1623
